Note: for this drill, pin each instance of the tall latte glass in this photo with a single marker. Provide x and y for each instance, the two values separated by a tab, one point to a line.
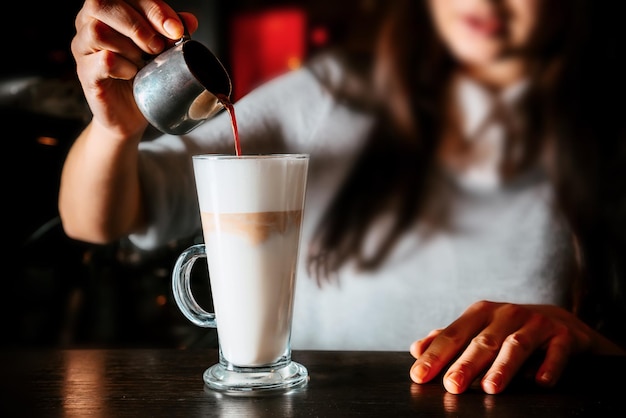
251	208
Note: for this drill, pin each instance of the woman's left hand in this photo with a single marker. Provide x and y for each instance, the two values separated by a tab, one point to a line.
497	338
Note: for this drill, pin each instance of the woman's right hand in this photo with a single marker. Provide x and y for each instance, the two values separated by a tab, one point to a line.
113	39
100	197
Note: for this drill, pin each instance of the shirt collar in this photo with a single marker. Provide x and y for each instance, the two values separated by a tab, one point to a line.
476	103
485	116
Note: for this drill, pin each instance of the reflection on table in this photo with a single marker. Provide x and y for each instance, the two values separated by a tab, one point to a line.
164	382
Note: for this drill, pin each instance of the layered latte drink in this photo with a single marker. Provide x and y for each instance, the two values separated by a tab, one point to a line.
251	210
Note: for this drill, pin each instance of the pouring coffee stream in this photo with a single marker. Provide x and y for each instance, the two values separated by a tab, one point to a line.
182	87
225	101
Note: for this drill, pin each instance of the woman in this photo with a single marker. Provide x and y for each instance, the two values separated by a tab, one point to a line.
472	171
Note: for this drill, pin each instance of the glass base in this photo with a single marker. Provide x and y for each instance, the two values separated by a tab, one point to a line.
253	381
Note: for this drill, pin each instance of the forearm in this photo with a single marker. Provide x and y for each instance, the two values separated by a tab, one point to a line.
100	197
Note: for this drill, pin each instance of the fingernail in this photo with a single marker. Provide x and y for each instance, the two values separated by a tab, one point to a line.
173	28
156	44
420	372
457	379
546	378
494	380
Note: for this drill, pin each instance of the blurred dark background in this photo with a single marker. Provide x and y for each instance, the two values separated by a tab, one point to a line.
65	293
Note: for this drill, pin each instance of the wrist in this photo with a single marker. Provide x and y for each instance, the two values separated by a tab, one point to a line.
116	133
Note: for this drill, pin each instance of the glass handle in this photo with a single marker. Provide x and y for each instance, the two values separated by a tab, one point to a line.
181	287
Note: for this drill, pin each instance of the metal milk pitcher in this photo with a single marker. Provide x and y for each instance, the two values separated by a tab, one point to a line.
181	87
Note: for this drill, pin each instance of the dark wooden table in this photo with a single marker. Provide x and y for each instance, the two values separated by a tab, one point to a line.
168	383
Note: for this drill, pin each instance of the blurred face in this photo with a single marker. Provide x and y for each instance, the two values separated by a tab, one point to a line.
485	32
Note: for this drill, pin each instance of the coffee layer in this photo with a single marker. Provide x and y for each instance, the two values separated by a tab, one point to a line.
255	227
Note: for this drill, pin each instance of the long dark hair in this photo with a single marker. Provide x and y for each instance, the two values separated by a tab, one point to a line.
587	121
575	85
393	168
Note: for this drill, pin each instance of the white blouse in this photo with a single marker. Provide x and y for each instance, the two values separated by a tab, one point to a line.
505	243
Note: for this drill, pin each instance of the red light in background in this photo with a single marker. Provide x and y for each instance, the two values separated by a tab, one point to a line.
264	45
319	36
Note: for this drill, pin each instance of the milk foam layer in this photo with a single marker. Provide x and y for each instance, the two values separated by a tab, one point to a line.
252	264
251	185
